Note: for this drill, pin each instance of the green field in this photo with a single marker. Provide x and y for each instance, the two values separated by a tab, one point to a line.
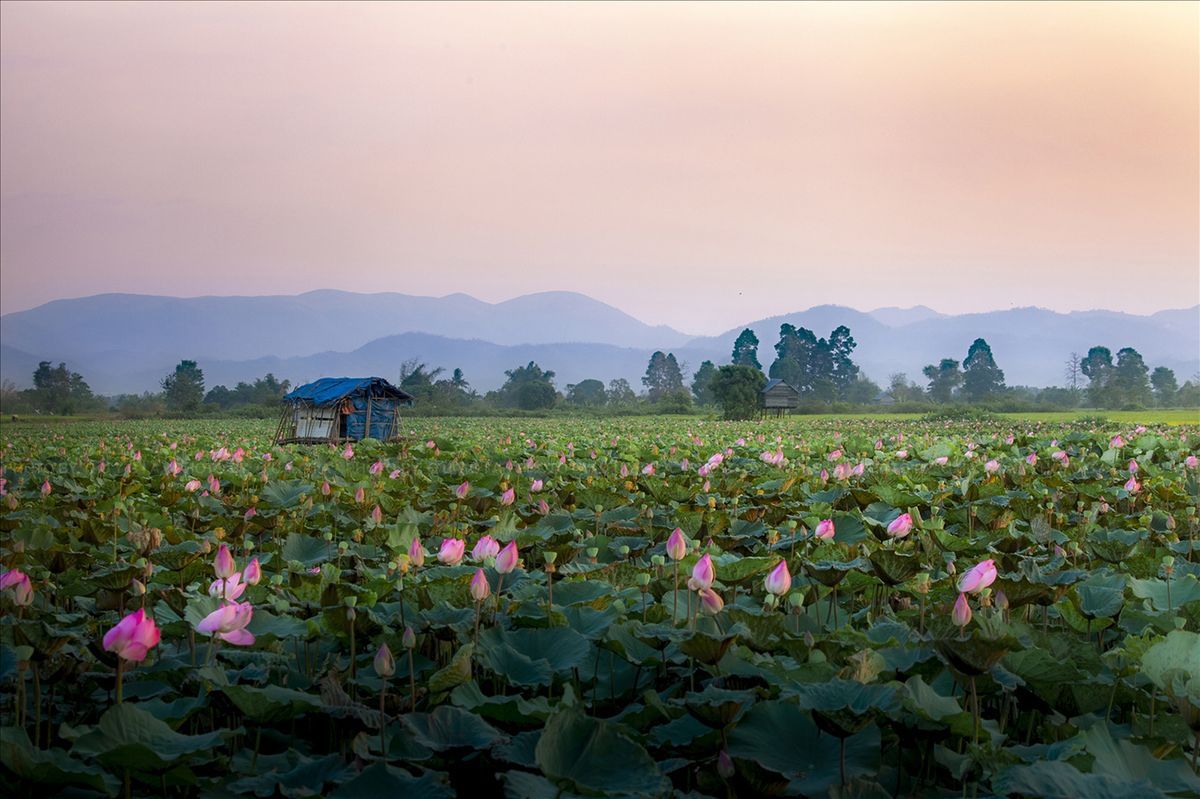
650	606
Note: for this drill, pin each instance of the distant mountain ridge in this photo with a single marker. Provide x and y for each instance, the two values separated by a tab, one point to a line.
126	343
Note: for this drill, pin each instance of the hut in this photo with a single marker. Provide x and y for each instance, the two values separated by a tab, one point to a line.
335	409
779	396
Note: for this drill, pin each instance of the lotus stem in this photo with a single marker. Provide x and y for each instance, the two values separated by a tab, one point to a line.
120	674
412	684
675	597
382	722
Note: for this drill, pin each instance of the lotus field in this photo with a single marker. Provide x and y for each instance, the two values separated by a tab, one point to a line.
628	608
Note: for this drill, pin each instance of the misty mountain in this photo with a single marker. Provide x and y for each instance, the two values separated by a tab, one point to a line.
253	327
109	340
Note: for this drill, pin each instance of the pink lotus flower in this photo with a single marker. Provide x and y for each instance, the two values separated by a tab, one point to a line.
1116	442
508	497
506	561
648	469
348	452
624	471
451	551
46	488
1191	462
416	552
535	486
962	611
725	767
858	469
480	590
978	577
228	623
1061	457
360	495
941	461
1132	485
703	573
228	589
676	545
779	581
214	485
132	637
377	514
824	530
267	457
250	514
833	456
325	489
252	573
1132	466
901	454
18	586
384	663
393	474
486	547
192	485
173	468
992	466
710	601
543	507
900	526
1031	459
463	489
223	564
376	467
841	471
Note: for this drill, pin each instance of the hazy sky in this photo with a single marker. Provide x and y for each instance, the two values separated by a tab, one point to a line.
696	165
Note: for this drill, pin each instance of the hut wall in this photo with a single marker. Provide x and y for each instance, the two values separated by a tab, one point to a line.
314	422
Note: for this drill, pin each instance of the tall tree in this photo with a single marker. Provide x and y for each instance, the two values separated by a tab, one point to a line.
587	393
184	388
1165	385
1097	367
528	387
1131	378
58	389
843	371
663	376
981	377
944	379
702	383
620	393
737	388
793	357
1071	372
745	350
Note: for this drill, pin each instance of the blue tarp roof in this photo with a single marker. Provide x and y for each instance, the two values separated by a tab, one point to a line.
329	390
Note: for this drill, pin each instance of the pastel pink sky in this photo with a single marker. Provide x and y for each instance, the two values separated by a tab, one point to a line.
696	165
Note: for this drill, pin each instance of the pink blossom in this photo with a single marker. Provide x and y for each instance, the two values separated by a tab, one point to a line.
535	486
192	485
393	474
479	586
978	577
377	514
252	573
703	573
416	552
250	513
506	561
348	452
228	623
779	581
486	547
376	467
1132	485
676	545
19	587
710	601
463	489
1132	466
223	564
901	454
508	497
1031	459
648	469
1191	462
824	530
132	637
229	588
451	551
46	488
833	456
992	466
962	611
900	526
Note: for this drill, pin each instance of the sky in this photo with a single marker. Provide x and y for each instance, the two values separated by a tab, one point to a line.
697	165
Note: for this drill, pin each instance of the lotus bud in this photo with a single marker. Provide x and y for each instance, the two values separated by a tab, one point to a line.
451	551
978	577
480	590
809	641
824	530
779	580
416	552
710	601
725	765
223	564
703	573
252	573
900	526
506	561
409	639
962	611
1001	599
385	664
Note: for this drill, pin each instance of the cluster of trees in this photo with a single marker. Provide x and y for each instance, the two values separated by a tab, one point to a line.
1128	381
979	380
56	390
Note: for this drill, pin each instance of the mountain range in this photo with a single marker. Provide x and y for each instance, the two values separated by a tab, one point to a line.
126	342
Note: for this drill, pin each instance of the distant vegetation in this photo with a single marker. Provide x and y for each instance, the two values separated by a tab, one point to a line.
822	370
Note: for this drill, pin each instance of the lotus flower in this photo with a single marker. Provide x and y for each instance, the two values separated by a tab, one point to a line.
1132	466
416	552
676	545
228	588
535	486
992	466
393	474
508	497
252	573
725	766
359	495
703	573
824	530
1031	459
978	577
543	507
132	637
377	514
479	586
1061	457
18	585
710	601
1191	462
348	452
46	488
962	611
779	581
463	489
228	623
487	547
451	552
409	639
376	467
506	561
1132	485
900	526
325	489
833	456
942	460
385	664
223	564
1116	442
901	454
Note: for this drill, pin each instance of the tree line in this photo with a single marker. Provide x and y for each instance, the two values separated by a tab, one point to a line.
821	370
